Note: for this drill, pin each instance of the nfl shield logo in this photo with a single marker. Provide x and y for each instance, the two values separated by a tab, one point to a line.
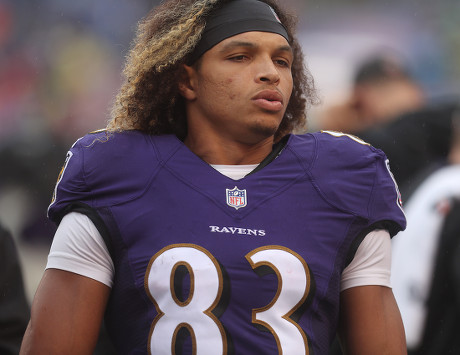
236	198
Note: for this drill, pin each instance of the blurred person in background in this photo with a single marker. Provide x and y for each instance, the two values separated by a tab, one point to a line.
186	218
388	109
417	143
382	90
14	308
426	259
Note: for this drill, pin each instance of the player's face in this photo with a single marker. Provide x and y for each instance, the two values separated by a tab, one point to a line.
240	88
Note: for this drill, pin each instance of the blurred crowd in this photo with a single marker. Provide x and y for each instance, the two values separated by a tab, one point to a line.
59	69
60	66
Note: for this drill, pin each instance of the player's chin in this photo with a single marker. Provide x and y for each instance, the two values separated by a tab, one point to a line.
265	128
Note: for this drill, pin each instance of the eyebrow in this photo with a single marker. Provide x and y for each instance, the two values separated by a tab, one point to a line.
236	44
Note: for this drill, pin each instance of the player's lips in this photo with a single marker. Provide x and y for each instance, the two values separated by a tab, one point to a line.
270	100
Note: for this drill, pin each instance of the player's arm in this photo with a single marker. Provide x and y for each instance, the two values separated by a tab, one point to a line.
370	322
71	299
66	314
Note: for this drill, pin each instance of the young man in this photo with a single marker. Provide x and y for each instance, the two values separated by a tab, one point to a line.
199	225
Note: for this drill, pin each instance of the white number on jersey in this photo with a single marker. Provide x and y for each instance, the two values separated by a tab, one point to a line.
293	287
206	285
195	313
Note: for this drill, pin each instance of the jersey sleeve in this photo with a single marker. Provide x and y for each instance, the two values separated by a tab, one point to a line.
356	178
70	186
386	202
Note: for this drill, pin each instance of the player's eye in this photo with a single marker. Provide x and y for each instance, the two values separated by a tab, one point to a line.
282	63
238	58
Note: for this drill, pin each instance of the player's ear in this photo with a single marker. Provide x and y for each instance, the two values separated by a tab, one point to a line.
187	82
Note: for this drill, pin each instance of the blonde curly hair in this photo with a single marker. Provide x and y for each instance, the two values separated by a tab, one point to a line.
149	98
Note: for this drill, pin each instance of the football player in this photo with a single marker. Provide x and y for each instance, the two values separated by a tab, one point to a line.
198	223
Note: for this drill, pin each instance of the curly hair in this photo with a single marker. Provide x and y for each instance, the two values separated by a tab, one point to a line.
149	98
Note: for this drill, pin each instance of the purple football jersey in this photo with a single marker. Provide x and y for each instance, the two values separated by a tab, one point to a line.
208	265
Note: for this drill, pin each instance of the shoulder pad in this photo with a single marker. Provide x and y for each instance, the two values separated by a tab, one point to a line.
105	169
355	177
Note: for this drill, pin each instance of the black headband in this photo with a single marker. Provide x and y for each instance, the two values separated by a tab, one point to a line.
237	17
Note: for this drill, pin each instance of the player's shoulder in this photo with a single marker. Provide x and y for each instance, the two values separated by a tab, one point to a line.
335	149
129	144
106	141
343	167
347	145
106	168
112	150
